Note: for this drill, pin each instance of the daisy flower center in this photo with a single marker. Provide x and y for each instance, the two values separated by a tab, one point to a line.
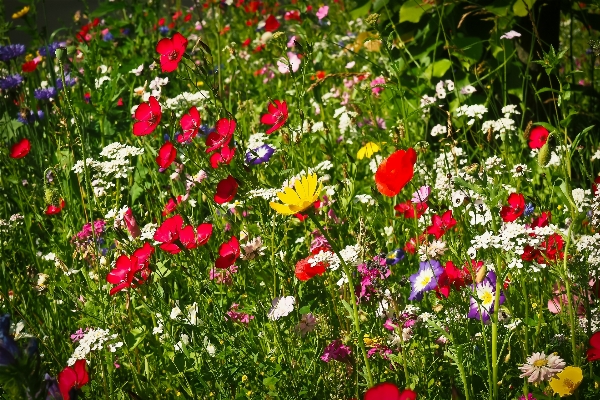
540	363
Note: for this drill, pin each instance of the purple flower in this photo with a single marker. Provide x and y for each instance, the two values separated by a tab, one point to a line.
394	257
164	31
45	93
425	279
483	305
26	117
371	273
11	82
77	336
49	49
11	51
107	37
70	82
336	350
8	347
259	155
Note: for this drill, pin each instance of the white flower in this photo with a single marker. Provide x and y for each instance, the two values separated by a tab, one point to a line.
469	89
439	130
281	307
175	312
510	35
137	71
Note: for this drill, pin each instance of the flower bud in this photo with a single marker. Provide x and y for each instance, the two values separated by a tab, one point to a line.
546	152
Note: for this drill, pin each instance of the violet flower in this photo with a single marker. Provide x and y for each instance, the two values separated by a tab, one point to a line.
483	305
425	279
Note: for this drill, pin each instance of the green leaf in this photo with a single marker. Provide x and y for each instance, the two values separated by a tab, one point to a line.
519	7
304	310
136	191
107	8
580	136
349	309
438	68
412	11
361	11
379	4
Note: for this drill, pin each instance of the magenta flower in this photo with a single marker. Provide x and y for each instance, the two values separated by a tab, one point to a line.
336	350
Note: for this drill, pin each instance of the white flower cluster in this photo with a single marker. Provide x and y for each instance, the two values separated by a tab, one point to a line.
266	194
439	130
364	199
345	123
582	199
183	101
281	307
256	140
588	246
474	112
510	109
501	125
432	250
440	90
94	339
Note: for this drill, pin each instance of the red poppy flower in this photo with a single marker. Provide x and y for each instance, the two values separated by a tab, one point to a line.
131	271
223	157
226	190
174	236
389	391
277	115
595	186
72	378
120	102
29	66
538	137
395	172
440	225
204	231
52	209
514	209
147	116
20	149
411	245
593	353
190	123
411	210
271	24
171	51
246	42
221	136
166	155
306	270
456	278
228	253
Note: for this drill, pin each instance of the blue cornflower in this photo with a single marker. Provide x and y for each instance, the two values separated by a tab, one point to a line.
107	37
164	31
45	93
529	207
26	117
11	51
395	257
259	155
11	82
70	82
49	49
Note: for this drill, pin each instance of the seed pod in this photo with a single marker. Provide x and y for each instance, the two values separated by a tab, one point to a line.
527	131
480	276
546	152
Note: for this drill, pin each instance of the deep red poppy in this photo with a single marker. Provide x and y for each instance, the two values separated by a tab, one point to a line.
226	190
411	245
593	353
514	209
190	123
174	236
228	253
395	172
131	271
221	136
276	116
538	137
223	157
72	378
148	117
389	391
29	66
131	224
20	149
408	209
542	221
166	155
171	50
595	186
271	24
440	225
456	278
52	209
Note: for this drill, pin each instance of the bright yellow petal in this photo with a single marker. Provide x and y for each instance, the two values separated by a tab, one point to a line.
289	196
567	381
317	192
281	208
301	187
311	185
361	153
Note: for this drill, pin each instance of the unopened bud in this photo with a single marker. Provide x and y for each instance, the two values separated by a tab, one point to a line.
546	152
372	19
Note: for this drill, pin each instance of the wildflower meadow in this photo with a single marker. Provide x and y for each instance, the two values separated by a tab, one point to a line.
334	199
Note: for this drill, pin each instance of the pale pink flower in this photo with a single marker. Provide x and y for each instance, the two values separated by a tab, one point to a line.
322	13
510	35
540	367
421	195
283	66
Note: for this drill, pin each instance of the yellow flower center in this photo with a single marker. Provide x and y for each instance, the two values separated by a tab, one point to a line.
425	280
541	363
487	298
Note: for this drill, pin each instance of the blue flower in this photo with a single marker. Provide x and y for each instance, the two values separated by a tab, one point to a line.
395	257
26	117
529	207
70	81
11	51
108	37
11	82
425	279
45	93
49	49
164	31
259	155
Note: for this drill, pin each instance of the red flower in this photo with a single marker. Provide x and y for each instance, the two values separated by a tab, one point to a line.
20	149
246	42
538	137
120	102
223	157
131	271
131	224
305	270
70	379
292	15
147	116
453	277
190	123
222	135
439	225
171	51
277	115
389	391
411	245
593	353
169	207
514	209
228	253
29	66
226	190
595	185
395	172
408	208
204	231
271	24
542	221
166	155
52	209
175	237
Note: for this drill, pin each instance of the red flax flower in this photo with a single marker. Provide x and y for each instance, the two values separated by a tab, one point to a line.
190	123
223	157
271	24
395	172
228	253
538	137
171	51
131	271
166	155
593	353
52	209
440	225
147	116
411	210
20	149
276	116
389	391
221	136
514	209
456	278
226	190
72	378
175	237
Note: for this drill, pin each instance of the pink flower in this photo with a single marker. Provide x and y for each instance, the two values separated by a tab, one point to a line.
322	13
375	85
421	195
239	317
283	66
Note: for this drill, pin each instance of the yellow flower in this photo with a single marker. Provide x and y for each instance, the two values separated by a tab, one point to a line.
567	381
306	191
21	13
367	150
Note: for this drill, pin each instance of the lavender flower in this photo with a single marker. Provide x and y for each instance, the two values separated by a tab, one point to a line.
11	82
483	305
336	350
425	279
45	93
11	51
259	155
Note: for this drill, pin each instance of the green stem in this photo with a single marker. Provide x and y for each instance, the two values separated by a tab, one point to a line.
495	331
569	298
355	319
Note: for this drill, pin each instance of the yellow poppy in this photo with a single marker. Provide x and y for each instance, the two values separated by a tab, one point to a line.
567	381
21	13
305	192
367	150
